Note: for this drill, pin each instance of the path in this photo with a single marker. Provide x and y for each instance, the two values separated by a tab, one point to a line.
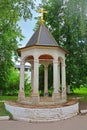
75	123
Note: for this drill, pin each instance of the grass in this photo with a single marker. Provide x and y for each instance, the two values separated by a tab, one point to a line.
80	92
6	98
3	111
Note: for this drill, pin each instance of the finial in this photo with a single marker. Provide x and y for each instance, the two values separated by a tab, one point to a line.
42	11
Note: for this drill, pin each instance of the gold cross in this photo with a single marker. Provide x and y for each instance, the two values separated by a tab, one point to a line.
42	11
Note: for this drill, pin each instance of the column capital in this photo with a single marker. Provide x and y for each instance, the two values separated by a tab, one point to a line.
63	65
36	60
22	63
59	64
45	66
55	61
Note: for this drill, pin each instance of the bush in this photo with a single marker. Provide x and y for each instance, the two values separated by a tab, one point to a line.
12	85
41	93
50	91
27	86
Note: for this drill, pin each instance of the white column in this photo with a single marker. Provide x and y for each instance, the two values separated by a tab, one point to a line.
63	77
55	76
21	95
45	80
36	76
59	76
63	82
56	94
35	94
32	76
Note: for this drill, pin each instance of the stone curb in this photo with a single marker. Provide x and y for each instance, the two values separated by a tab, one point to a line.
4	118
83	111
42	114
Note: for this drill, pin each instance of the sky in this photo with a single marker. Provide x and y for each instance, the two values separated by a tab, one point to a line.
28	26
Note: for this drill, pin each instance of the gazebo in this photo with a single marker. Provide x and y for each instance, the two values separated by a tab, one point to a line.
43	49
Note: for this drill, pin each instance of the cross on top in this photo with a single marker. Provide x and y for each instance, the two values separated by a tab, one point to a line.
42	11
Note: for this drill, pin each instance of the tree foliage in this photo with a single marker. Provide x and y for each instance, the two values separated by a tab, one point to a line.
11	11
67	22
12	84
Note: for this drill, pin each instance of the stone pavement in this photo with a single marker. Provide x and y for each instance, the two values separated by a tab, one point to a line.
78	122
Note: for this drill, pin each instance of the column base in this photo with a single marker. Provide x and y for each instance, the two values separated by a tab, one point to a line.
56	97
46	94
21	96
64	96
35	98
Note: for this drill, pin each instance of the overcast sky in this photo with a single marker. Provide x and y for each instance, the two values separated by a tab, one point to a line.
27	27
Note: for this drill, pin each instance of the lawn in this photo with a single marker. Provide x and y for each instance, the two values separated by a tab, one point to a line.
6	98
79	92
3	111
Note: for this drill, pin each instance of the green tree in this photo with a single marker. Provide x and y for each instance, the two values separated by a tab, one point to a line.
68	23
75	43
12	84
11	11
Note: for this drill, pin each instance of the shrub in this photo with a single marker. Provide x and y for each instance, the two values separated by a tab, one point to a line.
50	91
12	85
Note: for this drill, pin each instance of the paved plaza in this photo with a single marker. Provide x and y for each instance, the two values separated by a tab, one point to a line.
78	122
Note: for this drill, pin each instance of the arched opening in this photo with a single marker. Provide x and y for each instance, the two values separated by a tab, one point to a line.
29	58
50	79
46	57
28	74
60	60
41	80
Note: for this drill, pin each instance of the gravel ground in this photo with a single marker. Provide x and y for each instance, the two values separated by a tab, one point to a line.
78	122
